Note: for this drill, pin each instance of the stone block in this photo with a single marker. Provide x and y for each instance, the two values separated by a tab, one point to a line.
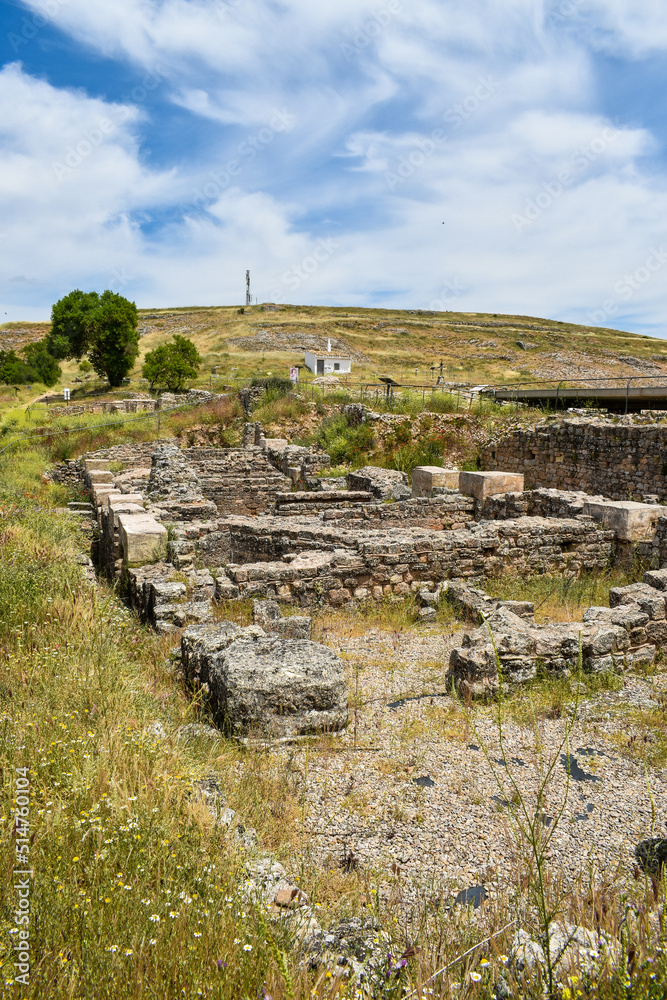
142	539
426	477
100	476
656	578
632	522
651	601
481	485
115	500
273	686
125	508
96	465
100	494
274	444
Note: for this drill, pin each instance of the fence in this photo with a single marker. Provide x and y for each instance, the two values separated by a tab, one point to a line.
91	429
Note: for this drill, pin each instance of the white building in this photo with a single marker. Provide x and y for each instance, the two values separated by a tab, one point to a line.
328	363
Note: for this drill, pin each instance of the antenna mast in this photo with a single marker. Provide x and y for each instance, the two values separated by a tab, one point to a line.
248	294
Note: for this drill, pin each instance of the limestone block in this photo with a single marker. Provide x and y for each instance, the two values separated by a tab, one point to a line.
656	578
125	508
274	444
281	687
116	500
426	477
101	493
651	601
632	522
96	465
100	476
142	539
481	485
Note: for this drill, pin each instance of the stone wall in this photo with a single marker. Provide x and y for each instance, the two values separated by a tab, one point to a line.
336	565
622	461
237	480
441	513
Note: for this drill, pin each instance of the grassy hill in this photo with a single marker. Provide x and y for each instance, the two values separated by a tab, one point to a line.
473	347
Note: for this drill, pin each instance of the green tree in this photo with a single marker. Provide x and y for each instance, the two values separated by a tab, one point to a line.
102	326
47	369
14	370
170	366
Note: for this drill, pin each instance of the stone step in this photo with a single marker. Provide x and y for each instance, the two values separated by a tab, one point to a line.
324	497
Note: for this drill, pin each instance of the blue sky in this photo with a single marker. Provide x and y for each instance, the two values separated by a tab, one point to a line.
161	147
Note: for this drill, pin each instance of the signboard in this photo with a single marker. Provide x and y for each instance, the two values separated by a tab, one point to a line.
66	394
294	374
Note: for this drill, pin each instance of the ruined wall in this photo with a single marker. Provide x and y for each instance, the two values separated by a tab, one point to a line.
621	461
237	480
441	513
336	565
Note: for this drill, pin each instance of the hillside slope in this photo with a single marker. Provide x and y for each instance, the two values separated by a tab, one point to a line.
406	344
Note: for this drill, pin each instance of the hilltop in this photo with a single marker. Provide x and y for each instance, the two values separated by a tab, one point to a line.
473	347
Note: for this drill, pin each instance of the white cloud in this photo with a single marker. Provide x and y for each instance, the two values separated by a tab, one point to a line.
637	27
365	86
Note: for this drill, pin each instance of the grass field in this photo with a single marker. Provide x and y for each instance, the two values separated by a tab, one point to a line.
408	345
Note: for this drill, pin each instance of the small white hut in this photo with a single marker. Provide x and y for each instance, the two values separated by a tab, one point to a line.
328	364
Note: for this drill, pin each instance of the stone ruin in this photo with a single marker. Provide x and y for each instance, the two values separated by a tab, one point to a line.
182	530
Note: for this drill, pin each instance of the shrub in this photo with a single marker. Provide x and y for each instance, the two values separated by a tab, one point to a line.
276	387
171	366
346	444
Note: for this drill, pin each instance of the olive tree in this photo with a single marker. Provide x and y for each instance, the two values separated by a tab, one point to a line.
103	327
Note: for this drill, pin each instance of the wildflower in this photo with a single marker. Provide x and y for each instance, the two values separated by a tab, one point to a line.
247	947
153	941
75	858
128	951
196	934
154	918
503	958
221	964
173	914
475	976
237	940
113	947
484	963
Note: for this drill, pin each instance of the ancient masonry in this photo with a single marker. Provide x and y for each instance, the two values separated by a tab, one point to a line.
623	458
183	530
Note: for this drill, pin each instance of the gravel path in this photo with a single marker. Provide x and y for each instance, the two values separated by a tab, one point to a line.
418	801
